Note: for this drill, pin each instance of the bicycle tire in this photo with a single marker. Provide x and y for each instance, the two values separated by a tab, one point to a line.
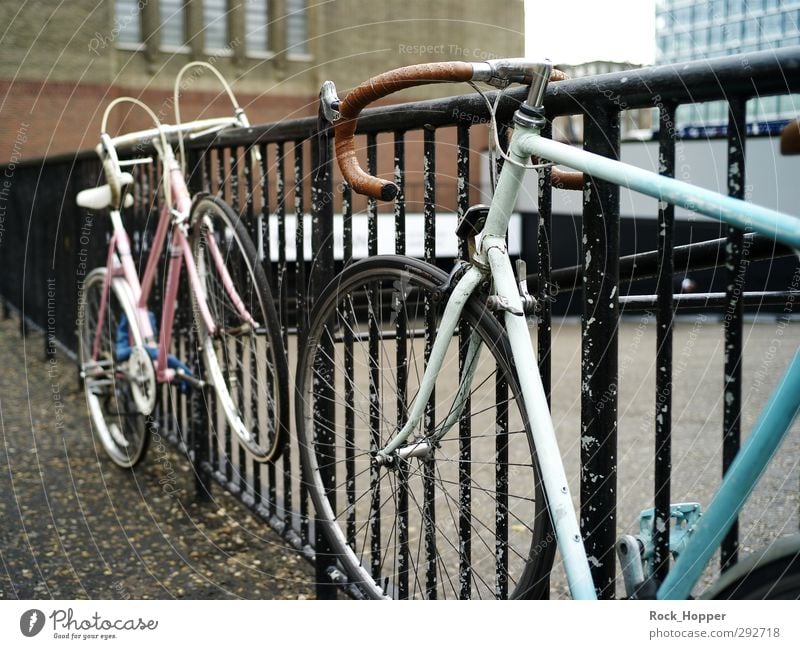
231	353
122	430
412	542
773	574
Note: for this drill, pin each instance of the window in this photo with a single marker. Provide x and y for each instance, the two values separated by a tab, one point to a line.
173	30
751	28
296	27
772	25
215	25
128	22
224	28
683	17
256	27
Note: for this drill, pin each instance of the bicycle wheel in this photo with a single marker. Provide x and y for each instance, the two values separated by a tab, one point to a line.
469	520
116	421
775	574
245	359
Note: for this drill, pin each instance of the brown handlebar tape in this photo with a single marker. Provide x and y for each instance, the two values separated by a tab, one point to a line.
379	87
790	138
562	179
372	90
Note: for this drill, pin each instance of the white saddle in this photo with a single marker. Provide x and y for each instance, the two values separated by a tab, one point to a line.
99	198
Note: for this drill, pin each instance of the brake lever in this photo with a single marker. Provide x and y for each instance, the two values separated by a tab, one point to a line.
328	113
255	154
329	102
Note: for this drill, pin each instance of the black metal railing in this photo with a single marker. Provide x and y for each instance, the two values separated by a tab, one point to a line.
291	199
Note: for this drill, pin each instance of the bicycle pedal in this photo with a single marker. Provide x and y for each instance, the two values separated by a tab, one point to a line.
180	375
683	521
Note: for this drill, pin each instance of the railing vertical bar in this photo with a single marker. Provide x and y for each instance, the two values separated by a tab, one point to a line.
372	204
221	175
206	165
546	295
267	261
349	377
664	319
347	224
280	195
300	267
226	460
400	200
254	232
301	299
156	296
736	267
599	354
543	267
501	482
428	471
321	272
502	139
235	203
401	324
374	369
464	422
263	242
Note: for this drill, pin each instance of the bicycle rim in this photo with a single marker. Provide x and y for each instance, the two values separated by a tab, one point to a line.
469	520
245	364
121	429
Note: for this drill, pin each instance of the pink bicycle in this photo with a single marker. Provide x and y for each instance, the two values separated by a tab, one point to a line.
124	355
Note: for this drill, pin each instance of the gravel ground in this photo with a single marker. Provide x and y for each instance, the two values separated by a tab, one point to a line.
75	526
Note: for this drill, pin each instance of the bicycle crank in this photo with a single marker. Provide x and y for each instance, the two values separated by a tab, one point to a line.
142	377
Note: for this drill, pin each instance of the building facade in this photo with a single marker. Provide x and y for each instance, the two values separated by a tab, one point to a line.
61	63
688	30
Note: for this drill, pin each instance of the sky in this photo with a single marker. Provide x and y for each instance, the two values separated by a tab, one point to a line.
576	31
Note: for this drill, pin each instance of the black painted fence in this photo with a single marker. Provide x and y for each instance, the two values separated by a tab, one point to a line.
48	242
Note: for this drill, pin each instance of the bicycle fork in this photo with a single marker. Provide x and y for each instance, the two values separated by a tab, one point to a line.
452	312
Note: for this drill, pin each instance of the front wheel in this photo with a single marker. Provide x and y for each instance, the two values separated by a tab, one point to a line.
104	331
466	518
244	356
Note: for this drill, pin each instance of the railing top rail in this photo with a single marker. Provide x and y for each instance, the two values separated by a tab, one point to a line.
771	72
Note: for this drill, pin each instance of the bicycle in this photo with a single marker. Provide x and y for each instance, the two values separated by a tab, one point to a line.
394	476
124	356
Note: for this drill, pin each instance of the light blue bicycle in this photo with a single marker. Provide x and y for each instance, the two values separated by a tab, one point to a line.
409	442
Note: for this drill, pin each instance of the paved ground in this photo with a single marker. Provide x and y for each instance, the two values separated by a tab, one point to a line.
75	526
773	508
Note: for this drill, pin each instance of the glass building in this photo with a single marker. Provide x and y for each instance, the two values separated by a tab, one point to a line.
688	30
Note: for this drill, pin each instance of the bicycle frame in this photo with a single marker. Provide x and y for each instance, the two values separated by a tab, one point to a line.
492	259
120	263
